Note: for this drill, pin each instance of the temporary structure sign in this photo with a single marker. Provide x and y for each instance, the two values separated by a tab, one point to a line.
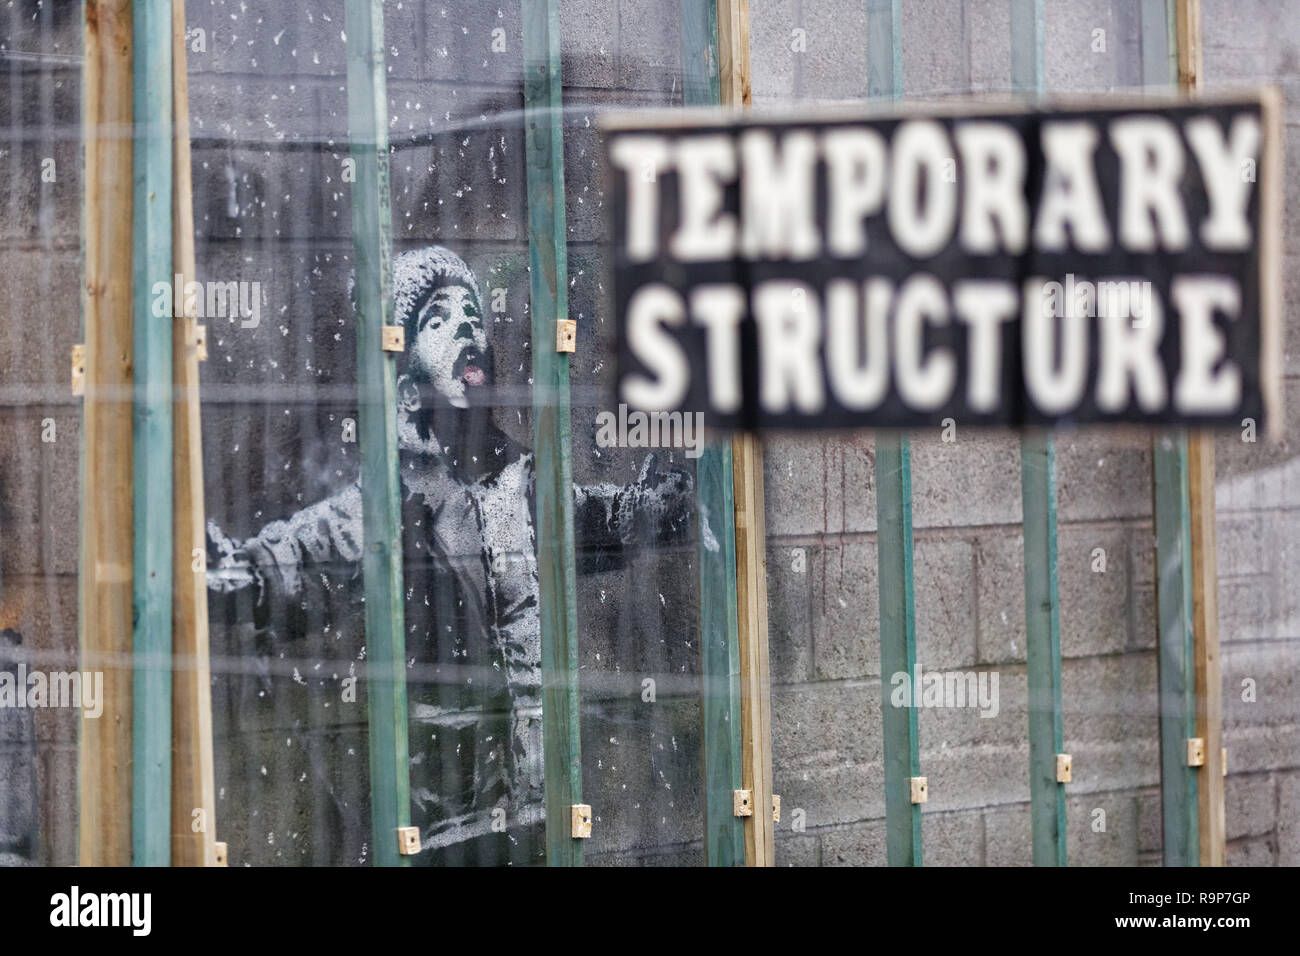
1097	263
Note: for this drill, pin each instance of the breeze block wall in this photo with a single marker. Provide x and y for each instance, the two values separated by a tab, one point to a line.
40	320
969	584
268	109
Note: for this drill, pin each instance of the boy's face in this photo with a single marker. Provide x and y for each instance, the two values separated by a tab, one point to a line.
450	350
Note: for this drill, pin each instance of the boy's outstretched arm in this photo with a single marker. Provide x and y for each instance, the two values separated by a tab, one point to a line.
276	561
656	509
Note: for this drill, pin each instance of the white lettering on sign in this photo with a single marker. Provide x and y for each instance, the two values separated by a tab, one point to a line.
1102	264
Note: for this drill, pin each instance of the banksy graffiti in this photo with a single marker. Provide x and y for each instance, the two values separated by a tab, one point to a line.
470	567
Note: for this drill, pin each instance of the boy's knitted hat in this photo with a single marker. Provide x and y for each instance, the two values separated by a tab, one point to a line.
416	274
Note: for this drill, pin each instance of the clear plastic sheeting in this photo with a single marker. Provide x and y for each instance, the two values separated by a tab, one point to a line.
274	183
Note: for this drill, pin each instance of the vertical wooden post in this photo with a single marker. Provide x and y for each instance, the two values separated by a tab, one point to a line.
755	683
381	513
750	524
1191	691
193	777
1204	543
549	298
893	472
1038	501
152	262
724	832
105	584
733	52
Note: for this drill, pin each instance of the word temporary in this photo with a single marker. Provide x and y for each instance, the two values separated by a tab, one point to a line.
1104	264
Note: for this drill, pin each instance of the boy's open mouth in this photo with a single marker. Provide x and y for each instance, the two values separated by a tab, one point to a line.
469	367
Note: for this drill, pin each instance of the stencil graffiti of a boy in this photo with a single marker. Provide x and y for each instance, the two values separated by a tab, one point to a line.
470	568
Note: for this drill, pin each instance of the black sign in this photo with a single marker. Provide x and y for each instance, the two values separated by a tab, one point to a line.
1104	264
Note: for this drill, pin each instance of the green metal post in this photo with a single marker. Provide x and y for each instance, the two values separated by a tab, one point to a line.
1173	527
1038	498
724	832
884	49
151	640
1043	647
548	291
1171	507
894	528
381	514
897	645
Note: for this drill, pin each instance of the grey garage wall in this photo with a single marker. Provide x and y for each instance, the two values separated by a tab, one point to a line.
967	513
291	770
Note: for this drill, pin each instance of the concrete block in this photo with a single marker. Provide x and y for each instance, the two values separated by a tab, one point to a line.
42	109
59	805
861	845
1250	804
834	792
1081	58
33	26
999	571
1103	475
847	624
1094	614
937	60
972	481
1288	819
1117	845
1256	852
852	495
953	839
791	575
469	183
463	43
41	298
1008	836
1111	721
796	849
641	772
1250	40
588	43
262	36
1150	832
988	33
944	575
649	45
832	64
773	62
1254	476
826	725
797	485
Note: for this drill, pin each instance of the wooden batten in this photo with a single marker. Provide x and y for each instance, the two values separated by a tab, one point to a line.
1204	546
193	777
106	578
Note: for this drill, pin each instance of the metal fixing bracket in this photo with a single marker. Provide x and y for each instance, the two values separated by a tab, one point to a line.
1064	768
408	841
776	808
393	338
201	342
742	803
580	820
78	370
1196	751
1223	761
566	335
223	854
920	790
